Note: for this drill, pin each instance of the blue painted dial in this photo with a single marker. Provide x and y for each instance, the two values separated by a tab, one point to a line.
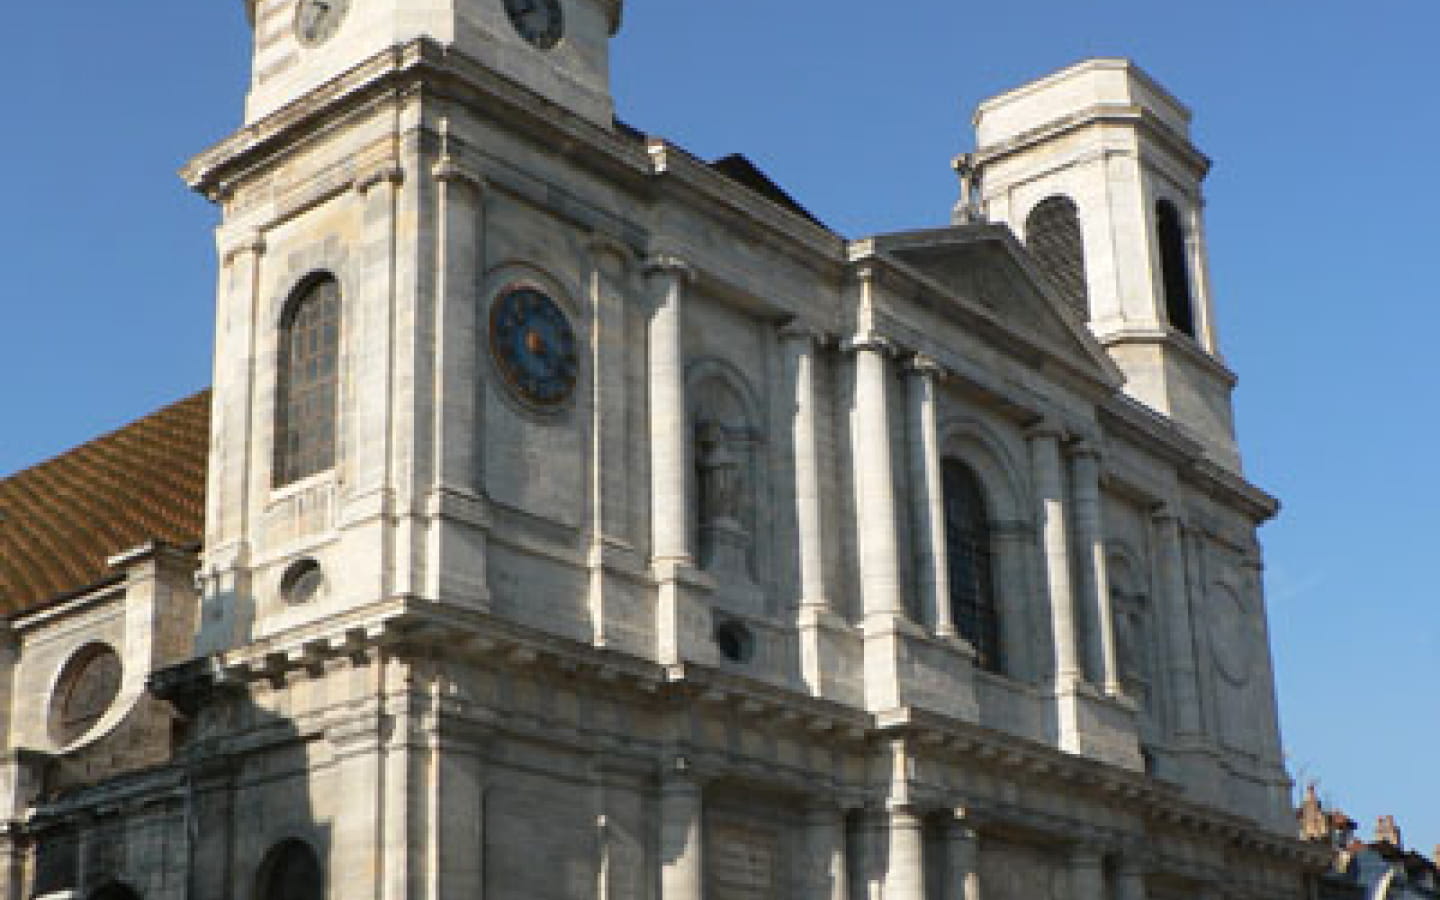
534	346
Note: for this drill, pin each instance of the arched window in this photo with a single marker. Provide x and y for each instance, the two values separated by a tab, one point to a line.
1174	271
1052	232
291	871
305	407
968	549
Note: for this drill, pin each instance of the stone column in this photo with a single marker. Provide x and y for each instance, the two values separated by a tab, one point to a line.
799	349
905	874
962	860
1055	543
874	475
682	871
1087	876
928	503
1174	605
1130	880
1100	658
669	524
826	873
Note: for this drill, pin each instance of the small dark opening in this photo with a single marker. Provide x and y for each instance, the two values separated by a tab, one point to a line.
1174	271
734	641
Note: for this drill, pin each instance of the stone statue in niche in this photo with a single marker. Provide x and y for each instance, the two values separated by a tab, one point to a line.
1132	632
724	539
725	480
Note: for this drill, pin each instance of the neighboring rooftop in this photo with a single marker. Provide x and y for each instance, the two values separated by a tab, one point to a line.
62	519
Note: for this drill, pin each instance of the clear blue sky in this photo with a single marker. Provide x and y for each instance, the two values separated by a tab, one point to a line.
1321	118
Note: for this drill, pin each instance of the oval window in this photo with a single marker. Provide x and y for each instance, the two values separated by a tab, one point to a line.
88	686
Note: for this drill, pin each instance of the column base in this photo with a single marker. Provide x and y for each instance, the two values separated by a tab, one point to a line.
1091	724
906	666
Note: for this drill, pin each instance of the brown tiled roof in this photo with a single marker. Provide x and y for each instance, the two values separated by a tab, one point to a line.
60	520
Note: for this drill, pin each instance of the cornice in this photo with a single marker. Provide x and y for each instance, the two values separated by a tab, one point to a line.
1100	114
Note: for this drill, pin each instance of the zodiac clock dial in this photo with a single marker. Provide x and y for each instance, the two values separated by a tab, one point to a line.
541	22
534	346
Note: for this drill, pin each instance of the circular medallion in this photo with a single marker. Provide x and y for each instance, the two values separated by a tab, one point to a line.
534	346
1230	635
316	21
541	22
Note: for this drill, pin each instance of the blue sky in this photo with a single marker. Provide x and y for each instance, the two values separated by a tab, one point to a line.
1321	119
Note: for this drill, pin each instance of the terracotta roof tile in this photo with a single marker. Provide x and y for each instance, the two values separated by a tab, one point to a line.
60	520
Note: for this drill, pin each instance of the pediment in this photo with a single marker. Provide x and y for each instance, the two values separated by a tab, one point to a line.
985	267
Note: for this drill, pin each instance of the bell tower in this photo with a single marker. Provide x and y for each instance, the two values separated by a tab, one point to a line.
1093	169
556	48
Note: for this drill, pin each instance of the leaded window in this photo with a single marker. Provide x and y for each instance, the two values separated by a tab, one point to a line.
1052	233
971	564
1174	271
305	408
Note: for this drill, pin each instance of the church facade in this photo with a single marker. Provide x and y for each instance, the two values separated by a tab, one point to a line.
582	519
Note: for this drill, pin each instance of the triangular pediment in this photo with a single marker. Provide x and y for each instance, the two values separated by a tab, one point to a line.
984	267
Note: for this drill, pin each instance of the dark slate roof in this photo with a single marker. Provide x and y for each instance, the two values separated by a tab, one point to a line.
741	170
60	520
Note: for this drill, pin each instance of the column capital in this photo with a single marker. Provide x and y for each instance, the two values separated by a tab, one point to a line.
1085	448
1085	855
924	366
1046	427
388	172
252	242
669	264
1165	513
601	243
797	329
449	170
868	341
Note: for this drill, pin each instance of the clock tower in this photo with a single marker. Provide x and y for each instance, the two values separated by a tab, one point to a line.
556	48
410	219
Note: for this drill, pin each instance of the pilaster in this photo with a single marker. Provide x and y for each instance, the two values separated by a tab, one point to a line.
456	542
816	618
682	870
928	504
680	618
1175	606
826	874
962	859
1100	658
1050	493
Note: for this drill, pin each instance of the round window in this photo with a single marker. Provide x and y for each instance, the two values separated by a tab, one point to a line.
88	686
302	583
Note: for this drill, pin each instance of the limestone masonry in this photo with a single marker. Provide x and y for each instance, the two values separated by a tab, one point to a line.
586	521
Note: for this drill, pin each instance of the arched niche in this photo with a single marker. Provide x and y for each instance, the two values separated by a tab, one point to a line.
729	479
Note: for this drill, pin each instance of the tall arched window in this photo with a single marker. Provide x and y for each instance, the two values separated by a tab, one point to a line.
1052	232
1174	271
306	389
291	871
968	548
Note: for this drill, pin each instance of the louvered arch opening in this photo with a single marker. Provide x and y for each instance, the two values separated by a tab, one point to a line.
1052	233
1174	270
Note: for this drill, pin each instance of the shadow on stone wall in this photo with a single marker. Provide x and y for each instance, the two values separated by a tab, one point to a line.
193	827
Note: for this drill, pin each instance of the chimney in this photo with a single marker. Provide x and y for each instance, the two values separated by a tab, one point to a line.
1313	826
1387	832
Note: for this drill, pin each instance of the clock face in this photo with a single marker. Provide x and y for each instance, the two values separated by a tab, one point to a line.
534	346
541	22
317	20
